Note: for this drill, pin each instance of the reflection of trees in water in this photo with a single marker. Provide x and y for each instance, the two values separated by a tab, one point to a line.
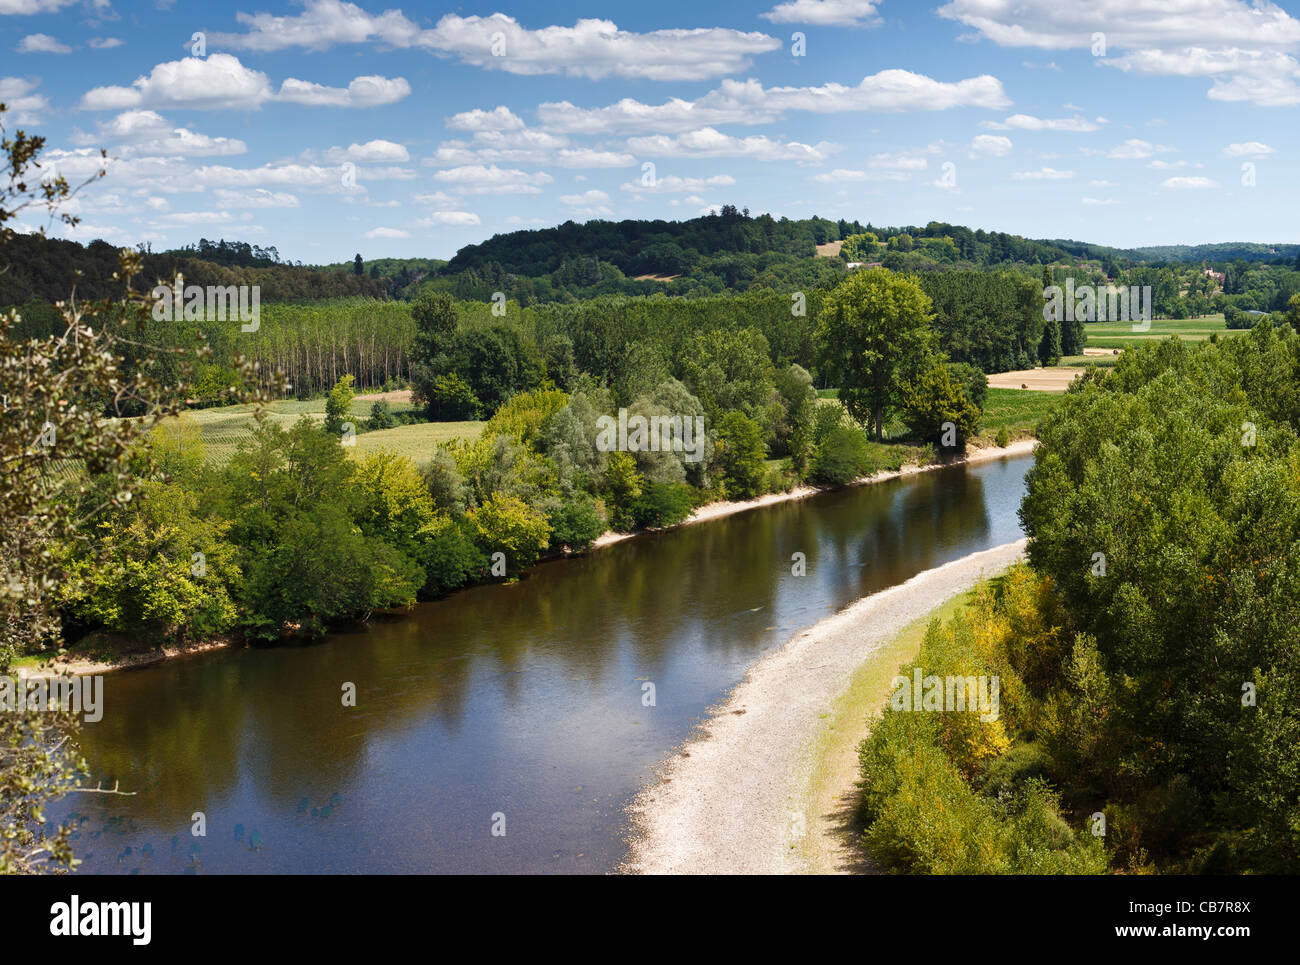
183	732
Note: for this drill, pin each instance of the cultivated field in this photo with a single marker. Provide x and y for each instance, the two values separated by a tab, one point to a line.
223	429
1121	334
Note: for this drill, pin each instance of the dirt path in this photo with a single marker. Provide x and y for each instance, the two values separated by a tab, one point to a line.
734	799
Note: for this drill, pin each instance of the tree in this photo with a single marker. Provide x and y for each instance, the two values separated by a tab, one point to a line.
436	321
741	455
1049	348
338	407
875	332
64	464
932	403
358	266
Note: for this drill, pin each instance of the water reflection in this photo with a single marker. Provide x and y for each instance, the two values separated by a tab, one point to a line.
523	700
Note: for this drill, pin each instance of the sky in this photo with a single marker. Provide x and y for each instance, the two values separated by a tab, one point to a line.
327	128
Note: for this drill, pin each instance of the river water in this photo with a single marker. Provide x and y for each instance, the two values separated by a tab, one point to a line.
519	708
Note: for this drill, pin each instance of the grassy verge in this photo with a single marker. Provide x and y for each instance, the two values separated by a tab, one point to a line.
833	755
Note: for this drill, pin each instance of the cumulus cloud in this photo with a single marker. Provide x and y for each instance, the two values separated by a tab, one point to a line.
1136	149
708	142
748	102
1244	47
1042	174
216	82
221	82
1027	122
372	152
382	232
369	91
844	175
1189	182
142	132
590	48
989	145
457	218
42	44
19	95
826	13
490	179
500	118
1249	149
673	184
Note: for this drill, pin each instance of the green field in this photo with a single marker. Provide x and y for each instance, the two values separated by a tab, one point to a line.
222	429
1016	410
1121	334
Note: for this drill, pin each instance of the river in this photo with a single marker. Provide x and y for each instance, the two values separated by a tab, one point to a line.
519	708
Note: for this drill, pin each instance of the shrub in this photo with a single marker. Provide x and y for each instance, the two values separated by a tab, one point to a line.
662	504
841	457
741	455
381	416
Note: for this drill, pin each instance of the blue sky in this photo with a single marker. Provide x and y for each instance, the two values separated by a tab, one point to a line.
327	128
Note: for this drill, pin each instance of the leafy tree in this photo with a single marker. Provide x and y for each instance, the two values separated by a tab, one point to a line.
729	370
932	402
451	400
381	415
338	407
741	455
621	487
358	266
1049	348
662	504
875	332
506	524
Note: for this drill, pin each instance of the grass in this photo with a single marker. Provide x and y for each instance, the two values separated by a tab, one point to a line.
833	753
222	429
1101	361
1121	334
417	441
1016	410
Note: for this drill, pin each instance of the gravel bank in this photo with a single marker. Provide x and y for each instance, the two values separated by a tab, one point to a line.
727	802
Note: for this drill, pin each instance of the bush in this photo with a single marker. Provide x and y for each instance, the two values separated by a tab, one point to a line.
575	523
449	555
338	406
381	416
662	504
841	457
933	402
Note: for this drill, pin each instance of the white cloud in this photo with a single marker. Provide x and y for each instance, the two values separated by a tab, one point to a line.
500	118
19	95
104	43
141	133
438	197
369	91
1098	201
1189	182
672	184
1248	149
990	145
1242	46
588	204
708	142
490	179
1136	149
376	151
387	233
42	44
1027	122
33	6
457	218
219	81
826	13
748	102
1042	174
590	48
257	198
842	175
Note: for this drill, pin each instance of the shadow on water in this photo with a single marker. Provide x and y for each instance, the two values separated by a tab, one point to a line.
522	701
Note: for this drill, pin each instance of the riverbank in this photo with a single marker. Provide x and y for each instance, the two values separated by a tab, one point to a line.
131	659
1021	447
736	798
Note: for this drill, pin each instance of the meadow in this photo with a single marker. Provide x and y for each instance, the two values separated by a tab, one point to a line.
1121	334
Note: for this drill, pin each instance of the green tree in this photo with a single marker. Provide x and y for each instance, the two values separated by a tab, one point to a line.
338	406
937	410
741	455
875	333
